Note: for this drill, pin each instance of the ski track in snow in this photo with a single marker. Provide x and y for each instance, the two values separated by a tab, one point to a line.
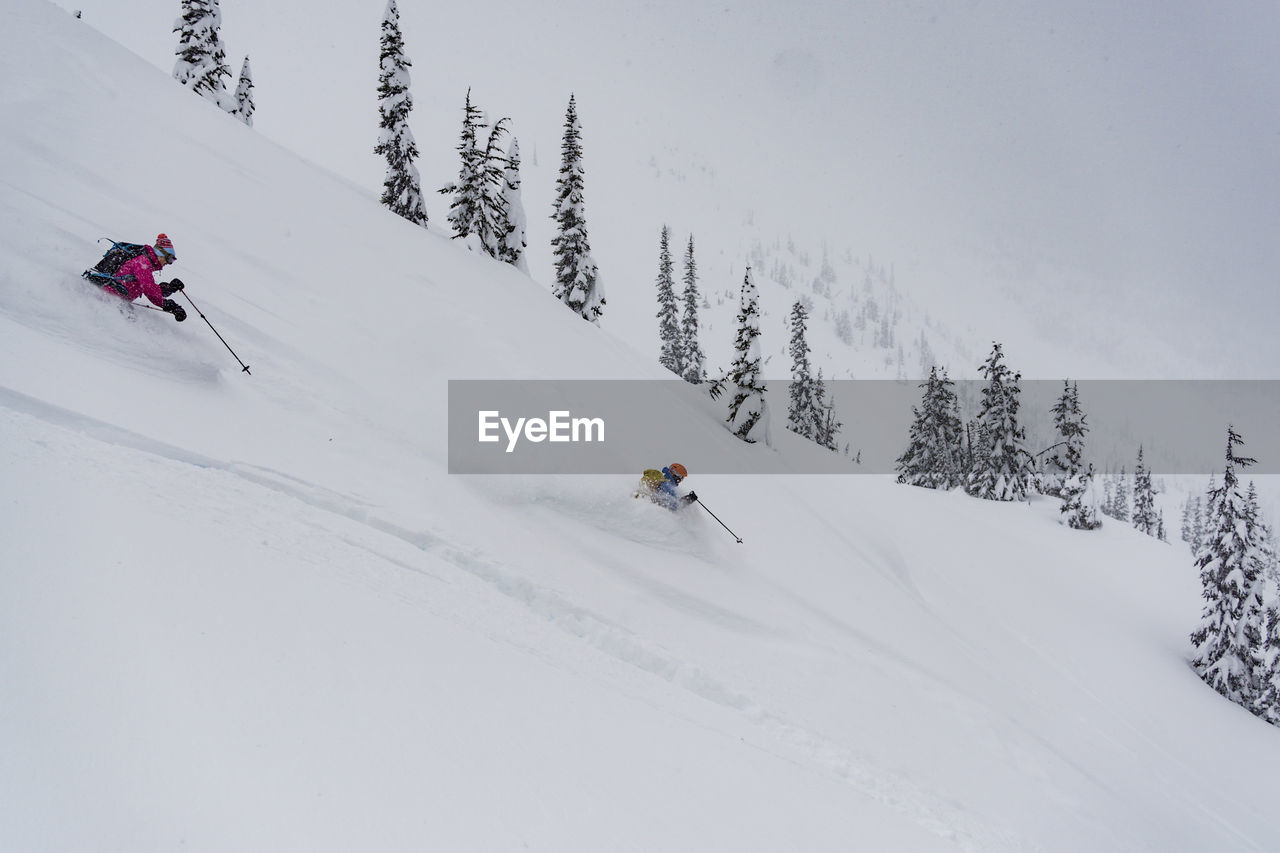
791	742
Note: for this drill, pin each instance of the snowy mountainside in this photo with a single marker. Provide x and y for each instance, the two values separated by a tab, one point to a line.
256	612
716	139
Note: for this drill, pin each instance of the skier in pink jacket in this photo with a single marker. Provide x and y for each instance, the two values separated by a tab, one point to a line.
136	277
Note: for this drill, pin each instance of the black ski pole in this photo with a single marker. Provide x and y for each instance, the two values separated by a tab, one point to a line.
215	331
722	524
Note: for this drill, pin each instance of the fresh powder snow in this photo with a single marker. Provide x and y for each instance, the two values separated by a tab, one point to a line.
257	612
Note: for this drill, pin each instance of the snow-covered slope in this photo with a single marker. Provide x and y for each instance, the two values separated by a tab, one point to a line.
256	613
1049	176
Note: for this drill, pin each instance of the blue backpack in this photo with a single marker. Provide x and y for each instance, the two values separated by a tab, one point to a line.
104	271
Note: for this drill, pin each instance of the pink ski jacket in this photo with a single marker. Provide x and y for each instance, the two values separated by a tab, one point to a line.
138	277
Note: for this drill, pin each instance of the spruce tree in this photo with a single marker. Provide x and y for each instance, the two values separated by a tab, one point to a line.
1197	524
467	208
694	360
828	428
1229	564
494	218
748	410
1120	503
1003	473
1265	659
1263	633
1259	622
670	354
1077	500
577	278
804	414
1144	506
401	189
202	61
513	243
1067	458
244	108
933	458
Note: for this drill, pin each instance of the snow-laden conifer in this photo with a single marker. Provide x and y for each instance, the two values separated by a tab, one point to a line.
1120	497
244	106
828	428
1188	509
513	242
1229	562
494	223
670	350
479	212
748	410
1078	503
694	361
465	210
1258	624
402	188
1067	457
202	61
804	411
1002	472
1263	634
933	458
577	278
1145	517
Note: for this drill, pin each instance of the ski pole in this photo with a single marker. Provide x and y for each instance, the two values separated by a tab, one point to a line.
215	331
722	524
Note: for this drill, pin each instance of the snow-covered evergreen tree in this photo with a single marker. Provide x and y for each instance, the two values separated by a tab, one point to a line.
466	211
1078	502
402	188
513	243
494	222
828	428
244	106
748	416
1004	473
1144	499
1265	659
804	412
480	213
1229	563
1120	500
670	349
694	361
577	278
933	457
1263	631
1198	518
1258	626
202	61
1067	458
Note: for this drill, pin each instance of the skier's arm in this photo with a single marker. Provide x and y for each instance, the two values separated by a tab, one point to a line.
151	290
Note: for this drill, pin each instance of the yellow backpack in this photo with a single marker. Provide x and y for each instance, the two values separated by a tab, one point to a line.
650	480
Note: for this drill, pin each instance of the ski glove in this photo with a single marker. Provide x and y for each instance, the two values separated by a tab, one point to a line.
691	497
168	288
175	309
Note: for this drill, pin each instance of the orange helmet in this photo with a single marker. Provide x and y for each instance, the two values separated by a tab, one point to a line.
679	470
